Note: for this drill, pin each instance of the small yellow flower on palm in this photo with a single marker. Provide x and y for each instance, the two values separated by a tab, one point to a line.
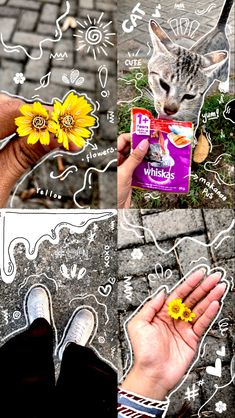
175	308
187	315
34	123
71	120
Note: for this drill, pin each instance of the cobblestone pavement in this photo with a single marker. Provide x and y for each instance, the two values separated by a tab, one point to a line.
75	268
27	23
138	257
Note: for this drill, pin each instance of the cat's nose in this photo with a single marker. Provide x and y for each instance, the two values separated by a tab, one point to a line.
170	110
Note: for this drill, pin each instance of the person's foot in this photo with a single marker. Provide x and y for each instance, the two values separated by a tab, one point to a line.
78	330
38	304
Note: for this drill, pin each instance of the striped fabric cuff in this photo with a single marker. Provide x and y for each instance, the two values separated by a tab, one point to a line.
132	405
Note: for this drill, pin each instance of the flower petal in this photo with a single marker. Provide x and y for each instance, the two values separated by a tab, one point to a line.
23	120
77	140
40	110
53	127
44	137
24	130
27	110
63	139
33	138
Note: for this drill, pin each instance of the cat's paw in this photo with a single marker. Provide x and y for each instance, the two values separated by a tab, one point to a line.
224	86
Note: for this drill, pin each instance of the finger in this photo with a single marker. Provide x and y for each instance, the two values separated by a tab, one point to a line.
182	291
151	308
202	290
123	141
136	157
214	295
9	110
205	320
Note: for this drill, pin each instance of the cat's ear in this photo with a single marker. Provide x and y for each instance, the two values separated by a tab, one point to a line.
213	60
160	39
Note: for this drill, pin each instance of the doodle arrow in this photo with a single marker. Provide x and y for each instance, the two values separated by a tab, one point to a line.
93	146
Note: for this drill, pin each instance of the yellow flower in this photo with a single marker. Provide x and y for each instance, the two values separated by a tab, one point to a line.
187	315
71	120
175	308
34	123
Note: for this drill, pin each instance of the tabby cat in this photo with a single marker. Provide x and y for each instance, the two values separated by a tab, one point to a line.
180	77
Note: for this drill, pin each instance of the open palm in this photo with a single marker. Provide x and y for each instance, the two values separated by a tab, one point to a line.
163	347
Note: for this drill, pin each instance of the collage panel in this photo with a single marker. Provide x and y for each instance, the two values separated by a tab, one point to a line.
58	104
176	312
57	303
176	90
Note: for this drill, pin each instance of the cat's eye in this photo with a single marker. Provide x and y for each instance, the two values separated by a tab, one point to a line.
164	85
189	97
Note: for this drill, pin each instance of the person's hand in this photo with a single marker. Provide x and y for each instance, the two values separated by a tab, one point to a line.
164	347
127	164
17	156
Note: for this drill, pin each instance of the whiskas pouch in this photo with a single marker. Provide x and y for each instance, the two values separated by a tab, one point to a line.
167	164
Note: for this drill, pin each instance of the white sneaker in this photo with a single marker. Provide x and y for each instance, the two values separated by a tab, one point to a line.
38	304
78	330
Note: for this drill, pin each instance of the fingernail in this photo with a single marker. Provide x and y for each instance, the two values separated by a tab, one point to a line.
203	270
217	274
222	285
144	145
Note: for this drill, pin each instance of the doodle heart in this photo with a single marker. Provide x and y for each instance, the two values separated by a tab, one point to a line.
216	370
106	289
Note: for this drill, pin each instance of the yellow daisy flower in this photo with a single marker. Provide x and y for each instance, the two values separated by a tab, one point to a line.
34	123
71	120
175	308
187	315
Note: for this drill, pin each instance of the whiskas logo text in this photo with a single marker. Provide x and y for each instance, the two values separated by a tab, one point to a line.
159	173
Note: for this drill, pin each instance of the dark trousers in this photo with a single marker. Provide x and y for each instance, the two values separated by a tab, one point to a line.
86	386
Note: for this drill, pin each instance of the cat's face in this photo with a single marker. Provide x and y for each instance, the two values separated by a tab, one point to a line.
155	152
178	77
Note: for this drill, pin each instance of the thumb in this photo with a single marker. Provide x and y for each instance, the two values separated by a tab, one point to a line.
136	157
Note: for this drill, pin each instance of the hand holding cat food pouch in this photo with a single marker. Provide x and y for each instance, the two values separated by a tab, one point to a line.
167	165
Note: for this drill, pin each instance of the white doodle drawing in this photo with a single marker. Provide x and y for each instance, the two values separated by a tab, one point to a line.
217	387
149	49
57	38
111	116
214	164
227	237
128	289
221	352
18	227
85	296
133	61
19	78
101	340
88	171
94	36
191	393
105	290
137	14
223	326
103	79
133	81
199	259
149	196
179	6
204	11
113	351
168	291
5	315
157	11
112	280
201	382
91	237
213	115
215	370
72	272
183	26
44	81
70	170
73	78
127	226
160	275
204	350
16	315
229	112
38	276
59	56
137	254
220	407
232	283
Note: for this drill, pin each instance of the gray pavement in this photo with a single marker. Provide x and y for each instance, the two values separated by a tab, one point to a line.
143	268
27	23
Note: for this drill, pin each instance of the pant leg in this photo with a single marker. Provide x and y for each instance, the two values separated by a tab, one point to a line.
27	379
87	386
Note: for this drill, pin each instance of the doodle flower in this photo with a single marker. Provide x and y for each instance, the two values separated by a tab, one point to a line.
220	407
34	123
71	120
175	308
187	315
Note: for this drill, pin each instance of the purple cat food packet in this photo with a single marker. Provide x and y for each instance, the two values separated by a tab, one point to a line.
167	165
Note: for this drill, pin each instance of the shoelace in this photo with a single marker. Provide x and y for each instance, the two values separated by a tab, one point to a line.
77	332
39	310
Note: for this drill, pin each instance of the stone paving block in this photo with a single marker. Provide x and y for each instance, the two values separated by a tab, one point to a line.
27	90
15	56
129	238
49	13
89	4
34	70
170	224
28	20
67	62
150	256
218	220
45	29
31	4
212	345
30	39
191	254
108	190
9	11
64	45
7	26
132	292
